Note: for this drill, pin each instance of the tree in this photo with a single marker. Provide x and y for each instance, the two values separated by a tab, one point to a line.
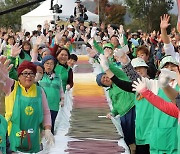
110	13
101	6
115	14
13	19
149	11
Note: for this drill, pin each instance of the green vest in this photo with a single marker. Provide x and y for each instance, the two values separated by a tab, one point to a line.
164	131
26	57
64	73
26	121
51	88
122	101
3	131
144	121
7	53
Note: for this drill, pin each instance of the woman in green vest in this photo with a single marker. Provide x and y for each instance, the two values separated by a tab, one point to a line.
63	69
25	52
163	124
144	110
27	111
167	107
9	43
123	104
52	85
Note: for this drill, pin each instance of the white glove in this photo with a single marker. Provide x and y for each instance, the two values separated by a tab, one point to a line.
103	62
165	77
61	103
49	137
68	87
121	39
139	85
118	53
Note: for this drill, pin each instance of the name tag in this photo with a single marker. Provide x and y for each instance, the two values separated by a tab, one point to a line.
30	131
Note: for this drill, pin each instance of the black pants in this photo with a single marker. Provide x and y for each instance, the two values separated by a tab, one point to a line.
128	126
142	149
53	118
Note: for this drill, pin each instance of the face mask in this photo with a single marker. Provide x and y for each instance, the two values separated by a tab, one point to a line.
38	77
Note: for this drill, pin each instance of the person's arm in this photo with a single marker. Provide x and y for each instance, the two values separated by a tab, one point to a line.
164	25
168	47
124	85
53	52
5	82
126	65
70	78
15	51
171	93
46	112
130	72
98	48
167	107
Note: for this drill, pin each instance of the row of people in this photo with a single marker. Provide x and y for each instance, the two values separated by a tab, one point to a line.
149	128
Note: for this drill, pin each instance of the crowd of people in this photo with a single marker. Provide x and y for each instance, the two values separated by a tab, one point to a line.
140	71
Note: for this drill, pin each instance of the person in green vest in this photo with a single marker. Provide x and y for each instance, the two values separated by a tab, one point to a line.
167	107
123	104
162	123
9	43
26	111
52	85
25	52
66	73
144	110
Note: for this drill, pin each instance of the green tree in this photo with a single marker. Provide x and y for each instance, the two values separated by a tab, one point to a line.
13	19
148	12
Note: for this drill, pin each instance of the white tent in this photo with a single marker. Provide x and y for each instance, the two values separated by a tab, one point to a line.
37	16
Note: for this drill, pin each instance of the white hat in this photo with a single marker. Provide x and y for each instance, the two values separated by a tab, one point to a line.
70	26
167	59
138	62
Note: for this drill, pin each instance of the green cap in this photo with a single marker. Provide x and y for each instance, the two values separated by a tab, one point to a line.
108	45
167	59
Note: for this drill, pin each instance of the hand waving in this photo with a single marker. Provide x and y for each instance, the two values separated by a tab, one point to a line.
139	85
15	50
164	21
5	67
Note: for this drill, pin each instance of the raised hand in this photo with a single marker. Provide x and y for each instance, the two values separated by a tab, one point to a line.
121	57
91	52
139	85
40	40
5	68
103	62
121	29
164	21
165	77
15	50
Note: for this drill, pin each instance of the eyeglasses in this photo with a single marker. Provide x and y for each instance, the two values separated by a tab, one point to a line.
25	74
